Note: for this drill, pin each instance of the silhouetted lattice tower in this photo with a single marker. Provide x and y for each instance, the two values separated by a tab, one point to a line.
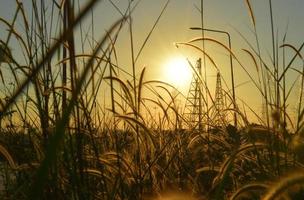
219	115
194	104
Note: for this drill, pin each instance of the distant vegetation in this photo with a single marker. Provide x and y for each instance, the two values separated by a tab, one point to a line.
58	141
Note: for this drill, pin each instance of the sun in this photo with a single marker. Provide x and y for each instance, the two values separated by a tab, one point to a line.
177	72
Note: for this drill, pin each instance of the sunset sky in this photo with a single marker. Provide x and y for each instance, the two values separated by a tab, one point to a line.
227	15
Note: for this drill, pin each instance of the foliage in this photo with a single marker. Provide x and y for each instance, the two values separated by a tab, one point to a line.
58	142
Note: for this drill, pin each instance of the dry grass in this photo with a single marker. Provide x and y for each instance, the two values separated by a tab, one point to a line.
58	141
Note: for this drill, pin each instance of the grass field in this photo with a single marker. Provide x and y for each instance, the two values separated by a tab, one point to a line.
59	140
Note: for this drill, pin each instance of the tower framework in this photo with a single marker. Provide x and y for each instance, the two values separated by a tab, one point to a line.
193	111
219	105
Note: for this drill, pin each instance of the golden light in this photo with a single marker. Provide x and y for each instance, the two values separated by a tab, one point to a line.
177	72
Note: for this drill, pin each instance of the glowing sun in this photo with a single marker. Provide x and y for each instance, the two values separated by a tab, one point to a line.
177	72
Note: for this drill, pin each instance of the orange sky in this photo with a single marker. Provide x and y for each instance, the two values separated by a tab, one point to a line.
228	15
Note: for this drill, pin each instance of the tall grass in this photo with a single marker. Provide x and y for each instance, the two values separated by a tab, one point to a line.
58	140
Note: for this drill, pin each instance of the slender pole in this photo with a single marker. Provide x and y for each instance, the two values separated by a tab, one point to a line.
64	65
231	65
205	74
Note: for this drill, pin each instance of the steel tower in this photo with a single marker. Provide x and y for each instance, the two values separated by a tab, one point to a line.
193	111
219	115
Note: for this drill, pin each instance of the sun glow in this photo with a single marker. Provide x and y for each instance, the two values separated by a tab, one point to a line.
178	72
